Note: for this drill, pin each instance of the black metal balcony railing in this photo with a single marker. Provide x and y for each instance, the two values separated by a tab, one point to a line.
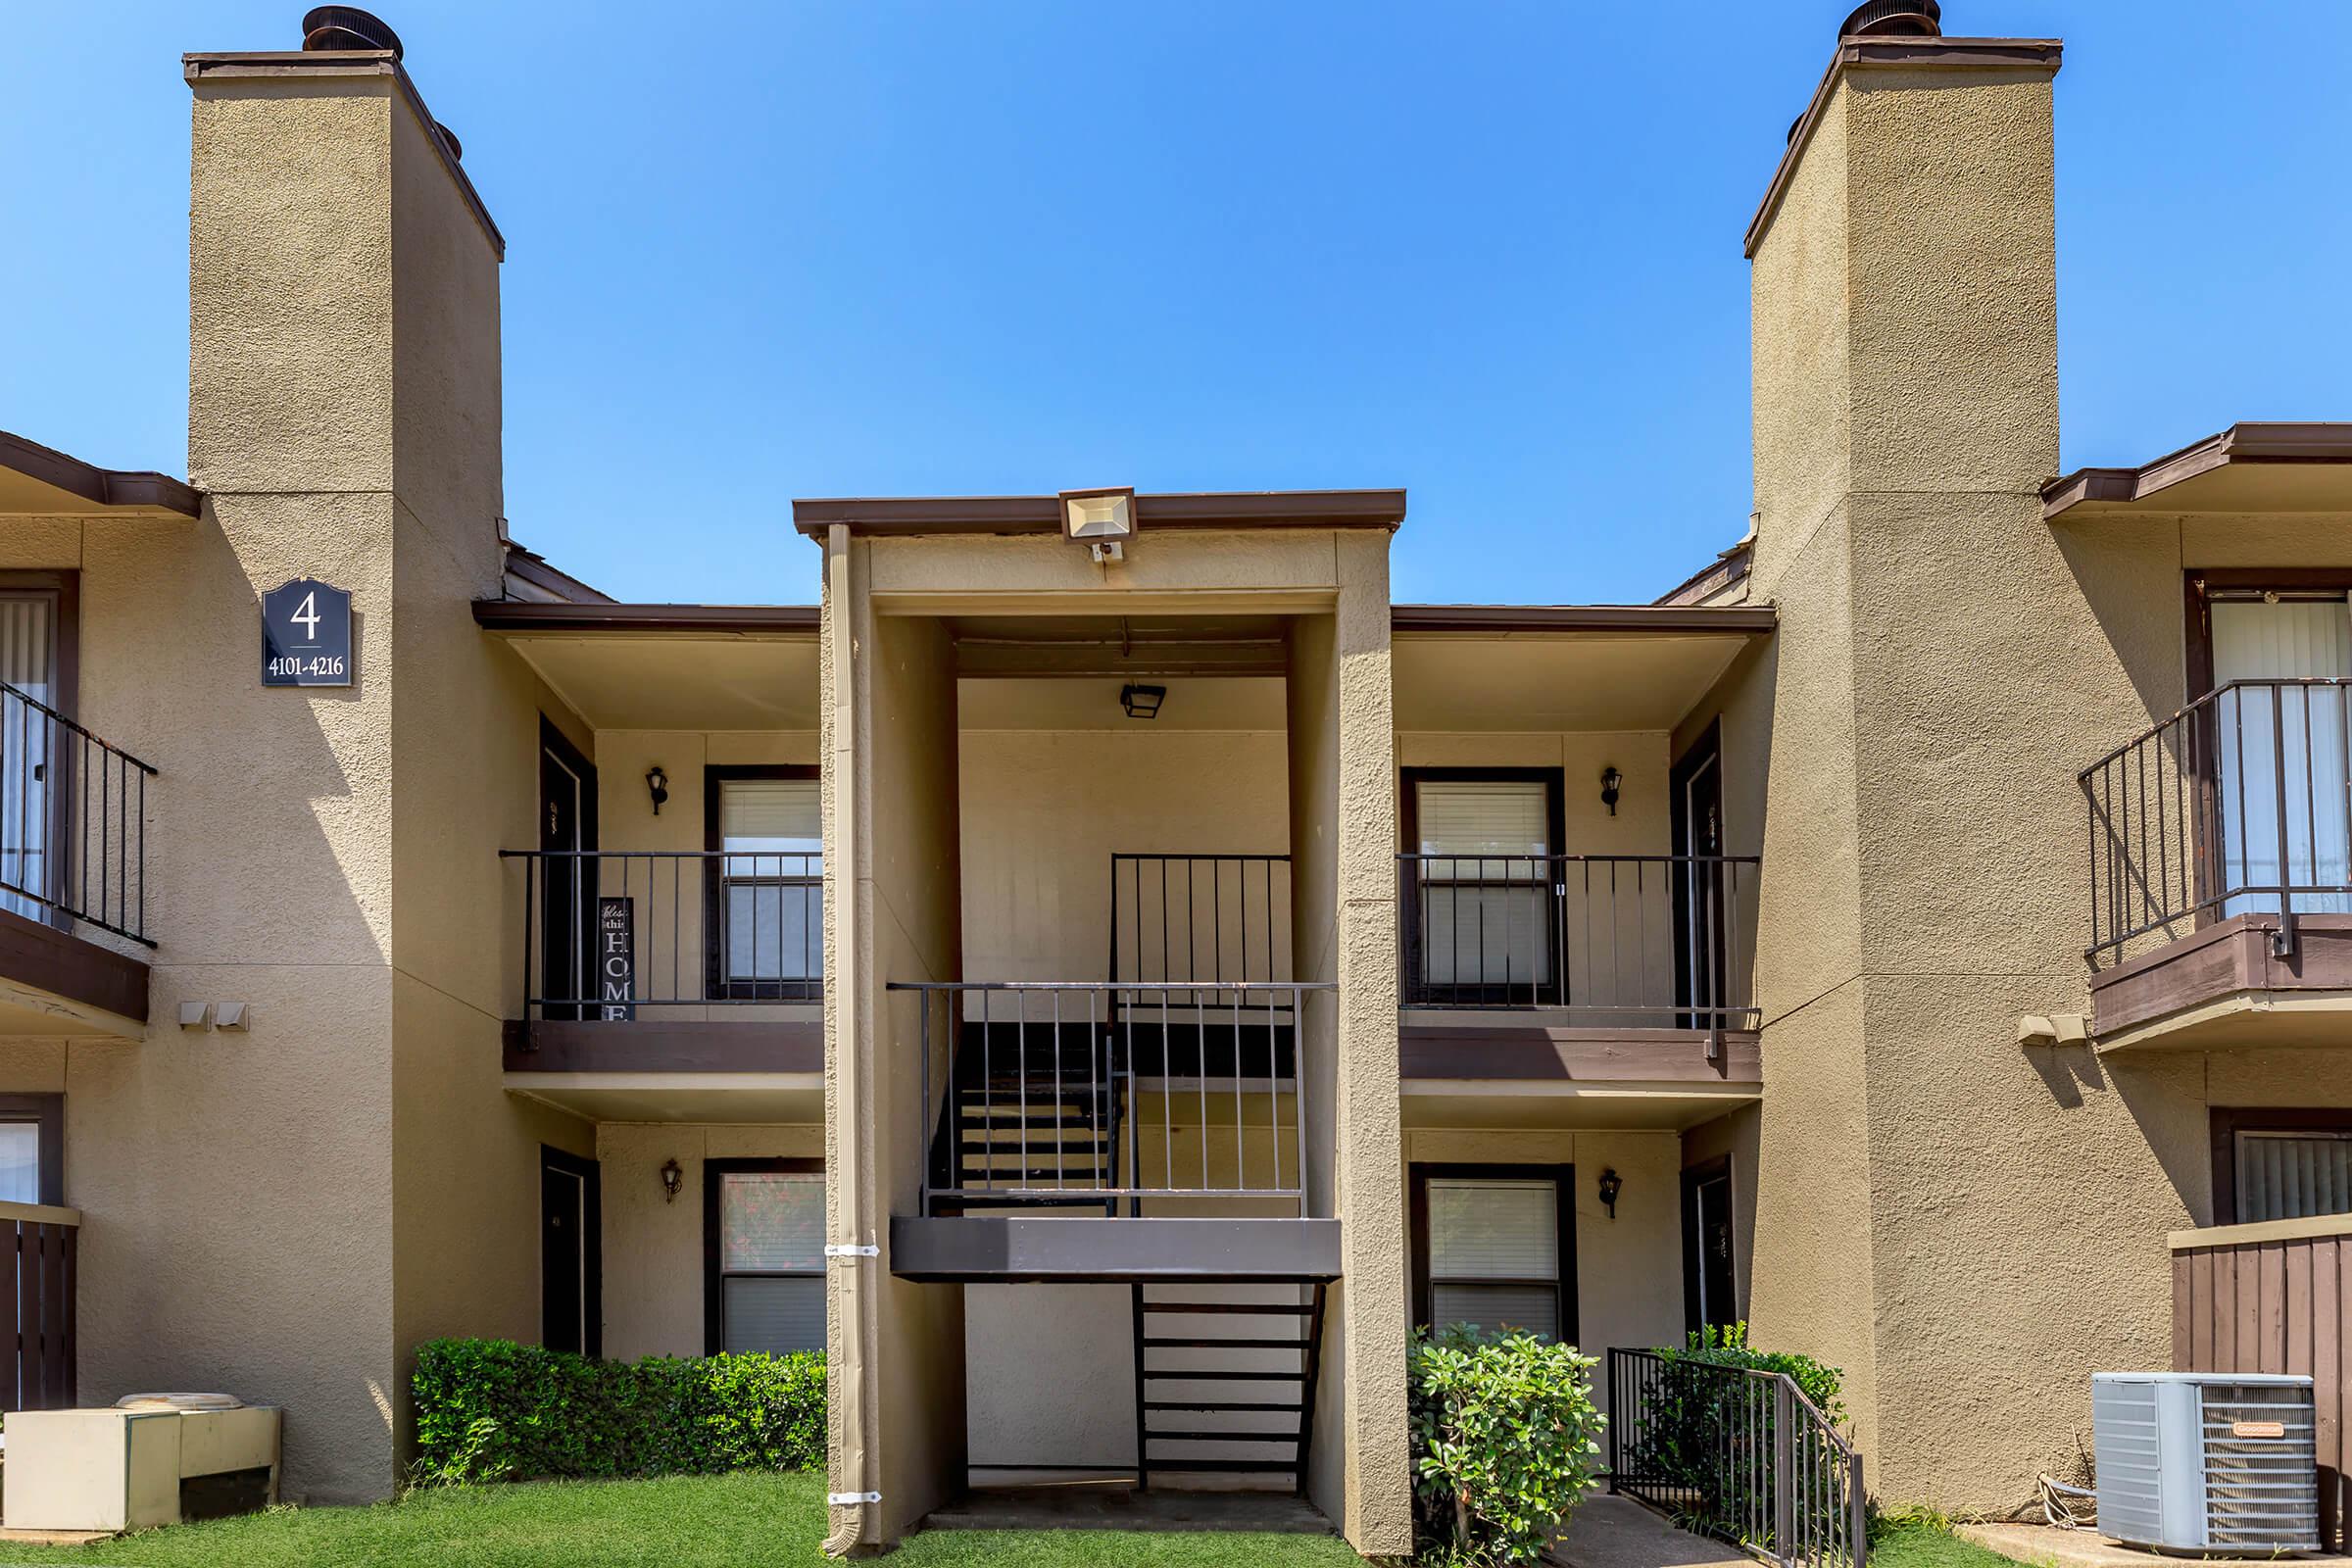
2239	804
1199	917
1629	940
1085	1093
1740	1454
72	821
607	932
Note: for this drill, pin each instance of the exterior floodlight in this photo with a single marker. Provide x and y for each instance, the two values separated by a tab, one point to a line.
1103	521
1142	701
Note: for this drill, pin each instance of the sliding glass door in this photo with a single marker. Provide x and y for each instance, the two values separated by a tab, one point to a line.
2281	750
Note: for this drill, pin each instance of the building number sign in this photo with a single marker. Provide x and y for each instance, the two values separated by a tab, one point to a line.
305	635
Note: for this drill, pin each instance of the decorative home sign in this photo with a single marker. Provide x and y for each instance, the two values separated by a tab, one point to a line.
615	960
305	635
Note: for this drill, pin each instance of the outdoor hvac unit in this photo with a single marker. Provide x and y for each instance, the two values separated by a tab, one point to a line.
2207	1462
153	1459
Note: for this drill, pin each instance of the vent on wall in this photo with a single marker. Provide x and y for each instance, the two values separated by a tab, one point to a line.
2194	1461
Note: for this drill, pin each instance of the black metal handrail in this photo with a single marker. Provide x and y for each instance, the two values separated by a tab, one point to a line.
607	932
1621	938
72	820
1738	1453
1180	916
1090	1093
2240	802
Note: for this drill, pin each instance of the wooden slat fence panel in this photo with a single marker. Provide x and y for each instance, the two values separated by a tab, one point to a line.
2275	1298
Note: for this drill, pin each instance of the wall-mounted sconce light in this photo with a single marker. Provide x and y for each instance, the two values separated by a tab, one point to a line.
1610	779
1103	521
657	784
1611	1184
1143	702
671	1179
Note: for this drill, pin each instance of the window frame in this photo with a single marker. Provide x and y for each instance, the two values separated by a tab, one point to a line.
718	984
2227	1121
1414	984
47	1113
2198	585
1562	1176
63	585
715	1273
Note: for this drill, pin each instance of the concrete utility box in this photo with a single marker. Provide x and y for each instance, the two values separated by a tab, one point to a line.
154	1459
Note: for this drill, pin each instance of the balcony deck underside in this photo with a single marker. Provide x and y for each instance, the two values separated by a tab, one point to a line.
56	982
2228	985
1006	1249
1495	1069
671	1070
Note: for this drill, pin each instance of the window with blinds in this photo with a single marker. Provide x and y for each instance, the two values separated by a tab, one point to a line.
1483	908
2293	1174
28	663
770	1265
1495	1252
771	838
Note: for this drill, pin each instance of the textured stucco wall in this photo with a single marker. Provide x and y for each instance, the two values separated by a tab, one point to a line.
653	1245
891	804
1043	812
1945	660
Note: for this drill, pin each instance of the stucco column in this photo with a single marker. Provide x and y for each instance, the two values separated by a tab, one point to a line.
1343	849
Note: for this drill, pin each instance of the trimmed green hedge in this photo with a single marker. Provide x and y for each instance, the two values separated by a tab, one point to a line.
494	1410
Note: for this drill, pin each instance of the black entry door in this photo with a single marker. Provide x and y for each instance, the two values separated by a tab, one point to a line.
1710	1282
568	884
1701	883
571	1253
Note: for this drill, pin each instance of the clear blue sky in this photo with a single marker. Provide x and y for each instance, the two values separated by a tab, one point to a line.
1488	251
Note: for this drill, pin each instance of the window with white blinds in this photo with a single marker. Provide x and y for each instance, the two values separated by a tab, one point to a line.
2293	1174
1485	904
1495	1252
772	833
28	663
771	1281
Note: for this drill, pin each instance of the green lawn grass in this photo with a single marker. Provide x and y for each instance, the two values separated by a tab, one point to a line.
737	1521
1929	1546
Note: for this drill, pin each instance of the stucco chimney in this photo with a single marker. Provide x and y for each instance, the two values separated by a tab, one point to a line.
1903	290
343	282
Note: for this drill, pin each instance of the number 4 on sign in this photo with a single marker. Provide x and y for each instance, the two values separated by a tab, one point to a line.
306	616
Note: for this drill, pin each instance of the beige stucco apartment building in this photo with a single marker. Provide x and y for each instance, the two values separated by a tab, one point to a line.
1107	907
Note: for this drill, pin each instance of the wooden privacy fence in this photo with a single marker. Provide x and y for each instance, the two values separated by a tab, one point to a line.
42	1372
2274	1296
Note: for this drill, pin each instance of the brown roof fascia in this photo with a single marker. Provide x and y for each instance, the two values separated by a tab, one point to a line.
105	487
1917	54
1027	514
2265	441
508	614
1745	620
346	63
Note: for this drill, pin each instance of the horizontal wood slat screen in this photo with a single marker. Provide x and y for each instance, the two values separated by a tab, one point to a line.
2275	1304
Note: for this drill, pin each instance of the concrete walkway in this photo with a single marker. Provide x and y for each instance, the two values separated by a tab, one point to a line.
1608	1531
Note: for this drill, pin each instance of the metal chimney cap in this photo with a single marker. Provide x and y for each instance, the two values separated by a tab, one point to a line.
1894	19
347	27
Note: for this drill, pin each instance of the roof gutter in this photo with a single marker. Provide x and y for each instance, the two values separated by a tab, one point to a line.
2257	442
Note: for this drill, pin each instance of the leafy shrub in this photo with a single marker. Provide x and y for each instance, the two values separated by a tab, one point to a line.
1728	1346
494	1410
1506	1439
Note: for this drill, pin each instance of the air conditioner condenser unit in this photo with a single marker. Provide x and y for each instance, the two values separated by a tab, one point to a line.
2222	1462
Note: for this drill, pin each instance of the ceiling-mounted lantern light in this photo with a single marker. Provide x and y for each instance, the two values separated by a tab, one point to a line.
1143	702
1103	521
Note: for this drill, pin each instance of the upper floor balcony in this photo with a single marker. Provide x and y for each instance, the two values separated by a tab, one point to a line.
2220	859
73	916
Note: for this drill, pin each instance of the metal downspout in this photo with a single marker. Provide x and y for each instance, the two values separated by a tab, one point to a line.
845	1274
